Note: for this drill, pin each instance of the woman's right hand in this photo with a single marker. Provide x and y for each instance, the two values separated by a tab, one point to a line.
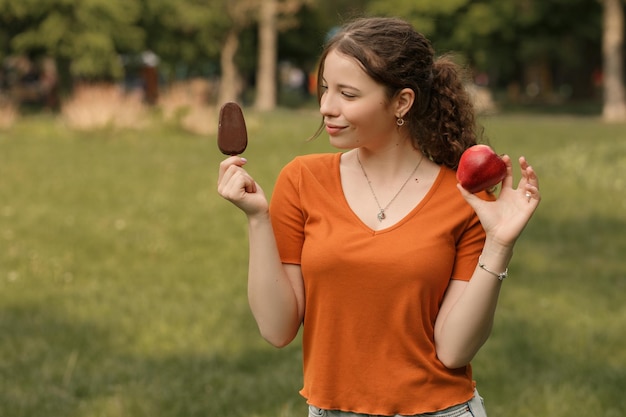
237	186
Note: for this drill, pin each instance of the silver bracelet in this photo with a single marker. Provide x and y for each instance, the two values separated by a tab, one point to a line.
500	276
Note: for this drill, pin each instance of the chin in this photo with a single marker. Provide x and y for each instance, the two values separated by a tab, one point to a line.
341	144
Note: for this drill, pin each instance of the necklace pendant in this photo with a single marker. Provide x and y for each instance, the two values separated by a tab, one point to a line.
381	216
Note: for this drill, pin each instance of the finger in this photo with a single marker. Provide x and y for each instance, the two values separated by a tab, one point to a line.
532	192
528	173
529	184
508	179
250	186
469	197
235	183
227	178
532	176
523	163
227	163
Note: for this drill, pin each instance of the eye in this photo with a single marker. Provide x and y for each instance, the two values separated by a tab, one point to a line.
347	94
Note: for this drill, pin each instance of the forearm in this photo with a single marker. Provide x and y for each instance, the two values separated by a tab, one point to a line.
468	323
271	295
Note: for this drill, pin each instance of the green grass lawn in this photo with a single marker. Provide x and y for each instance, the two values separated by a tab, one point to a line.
123	275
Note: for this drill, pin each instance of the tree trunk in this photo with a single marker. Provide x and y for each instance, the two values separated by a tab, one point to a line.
230	84
266	68
614	109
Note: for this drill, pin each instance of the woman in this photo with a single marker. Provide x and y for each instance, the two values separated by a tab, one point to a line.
392	268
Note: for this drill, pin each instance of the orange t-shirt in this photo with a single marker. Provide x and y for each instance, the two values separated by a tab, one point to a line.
372	297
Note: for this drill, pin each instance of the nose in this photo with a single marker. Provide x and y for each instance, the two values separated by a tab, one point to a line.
328	106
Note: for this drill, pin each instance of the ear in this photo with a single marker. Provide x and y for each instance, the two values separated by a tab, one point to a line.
403	102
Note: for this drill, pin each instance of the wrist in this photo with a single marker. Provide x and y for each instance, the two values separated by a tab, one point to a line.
259	218
495	249
500	275
495	259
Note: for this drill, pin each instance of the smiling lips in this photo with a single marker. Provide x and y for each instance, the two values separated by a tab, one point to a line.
333	129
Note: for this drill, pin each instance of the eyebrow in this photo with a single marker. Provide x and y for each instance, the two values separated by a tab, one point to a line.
348	86
342	85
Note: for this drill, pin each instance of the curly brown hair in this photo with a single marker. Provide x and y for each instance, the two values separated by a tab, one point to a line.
441	122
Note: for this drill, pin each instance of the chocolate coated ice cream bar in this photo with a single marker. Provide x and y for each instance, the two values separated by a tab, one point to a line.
232	135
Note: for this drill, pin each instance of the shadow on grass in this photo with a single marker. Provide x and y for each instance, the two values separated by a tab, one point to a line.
542	371
53	365
557	345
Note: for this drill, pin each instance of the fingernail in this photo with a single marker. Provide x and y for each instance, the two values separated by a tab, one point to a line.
244	160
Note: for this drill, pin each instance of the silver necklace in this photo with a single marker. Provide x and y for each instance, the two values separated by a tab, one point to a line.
381	213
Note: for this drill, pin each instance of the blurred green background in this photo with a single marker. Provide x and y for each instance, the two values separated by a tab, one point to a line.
262	52
123	274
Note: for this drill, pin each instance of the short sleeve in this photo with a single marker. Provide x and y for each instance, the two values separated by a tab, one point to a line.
287	214
469	246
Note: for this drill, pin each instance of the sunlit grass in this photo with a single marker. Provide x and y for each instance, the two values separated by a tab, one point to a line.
122	275
557	345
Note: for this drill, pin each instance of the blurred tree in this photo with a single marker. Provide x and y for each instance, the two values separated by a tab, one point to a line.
614	109
229	20
87	36
300	44
266	92
275	16
540	46
525	42
240	14
184	32
337	12
424	14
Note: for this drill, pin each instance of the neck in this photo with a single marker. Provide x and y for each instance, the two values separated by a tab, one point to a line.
389	163
382	215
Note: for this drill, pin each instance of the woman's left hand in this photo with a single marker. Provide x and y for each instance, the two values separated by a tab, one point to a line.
505	218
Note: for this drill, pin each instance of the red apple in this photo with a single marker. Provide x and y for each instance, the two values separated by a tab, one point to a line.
480	168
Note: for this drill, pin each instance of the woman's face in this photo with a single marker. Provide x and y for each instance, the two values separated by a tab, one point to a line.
356	109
